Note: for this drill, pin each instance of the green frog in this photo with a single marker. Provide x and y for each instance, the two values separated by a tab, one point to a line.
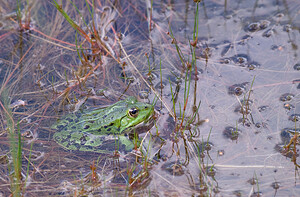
103	130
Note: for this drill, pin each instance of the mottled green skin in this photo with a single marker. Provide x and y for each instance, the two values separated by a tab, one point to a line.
99	130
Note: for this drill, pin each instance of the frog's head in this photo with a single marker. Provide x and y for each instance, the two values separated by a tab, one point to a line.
137	112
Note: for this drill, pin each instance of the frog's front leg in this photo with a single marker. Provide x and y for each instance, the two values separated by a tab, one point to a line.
130	143
126	142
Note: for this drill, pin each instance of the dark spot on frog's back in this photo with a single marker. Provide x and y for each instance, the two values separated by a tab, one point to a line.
83	140
57	138
62	139
86	126
106	126
69	119
76	145
78	114
104	116
59	127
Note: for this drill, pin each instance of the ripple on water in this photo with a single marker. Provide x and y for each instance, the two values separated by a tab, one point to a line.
294	117
268	33
297	81
237	89
288	106
285	136
256	194
243	109
263	108
241	59
297	67
286	97
231	133
287	28
203	148
276	185
211	171
256	26
252	27
143	95
173	168
253	65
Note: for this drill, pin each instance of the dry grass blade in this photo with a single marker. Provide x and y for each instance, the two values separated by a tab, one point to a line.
141	76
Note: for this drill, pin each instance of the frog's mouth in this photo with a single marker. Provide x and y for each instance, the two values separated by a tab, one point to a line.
143	126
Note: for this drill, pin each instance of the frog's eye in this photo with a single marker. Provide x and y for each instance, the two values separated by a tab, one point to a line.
133	112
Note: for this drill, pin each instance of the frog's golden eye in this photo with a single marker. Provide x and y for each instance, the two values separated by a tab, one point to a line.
133	112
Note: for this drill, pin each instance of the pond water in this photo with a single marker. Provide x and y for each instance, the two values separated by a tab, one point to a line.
229	100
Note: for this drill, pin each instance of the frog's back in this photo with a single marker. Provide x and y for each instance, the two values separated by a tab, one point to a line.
98	129
97	121
89	130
